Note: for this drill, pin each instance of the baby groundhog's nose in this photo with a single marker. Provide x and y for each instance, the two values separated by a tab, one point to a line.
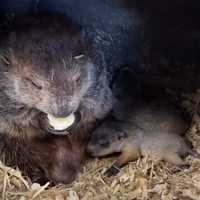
91	149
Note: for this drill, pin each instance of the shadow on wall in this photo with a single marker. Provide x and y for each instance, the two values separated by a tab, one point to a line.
108	26
114	26
151	36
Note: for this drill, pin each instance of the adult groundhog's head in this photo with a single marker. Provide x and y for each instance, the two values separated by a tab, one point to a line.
49	67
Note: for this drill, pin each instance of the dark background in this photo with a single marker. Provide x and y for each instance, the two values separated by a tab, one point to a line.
158	40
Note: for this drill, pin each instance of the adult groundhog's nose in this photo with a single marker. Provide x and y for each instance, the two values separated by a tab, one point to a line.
64	110
63	113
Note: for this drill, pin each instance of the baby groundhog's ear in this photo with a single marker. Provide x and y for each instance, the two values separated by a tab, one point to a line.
122	135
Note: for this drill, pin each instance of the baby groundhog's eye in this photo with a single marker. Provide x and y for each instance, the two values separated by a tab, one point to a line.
122	135
104	143
34	84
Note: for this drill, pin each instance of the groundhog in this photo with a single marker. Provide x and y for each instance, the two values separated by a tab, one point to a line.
51	158
146	132
47	68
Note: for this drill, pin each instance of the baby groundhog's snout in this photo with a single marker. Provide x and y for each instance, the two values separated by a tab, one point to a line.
98	146
91	149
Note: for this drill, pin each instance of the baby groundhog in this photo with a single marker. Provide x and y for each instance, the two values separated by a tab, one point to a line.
47	68
147	132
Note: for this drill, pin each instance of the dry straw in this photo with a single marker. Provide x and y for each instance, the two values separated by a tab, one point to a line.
141	180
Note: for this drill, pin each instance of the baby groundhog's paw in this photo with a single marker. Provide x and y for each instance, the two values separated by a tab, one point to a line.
112	171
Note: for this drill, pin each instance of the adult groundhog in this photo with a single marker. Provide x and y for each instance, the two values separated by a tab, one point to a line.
47	68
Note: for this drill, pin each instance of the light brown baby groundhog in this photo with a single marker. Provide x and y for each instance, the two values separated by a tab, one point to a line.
147	131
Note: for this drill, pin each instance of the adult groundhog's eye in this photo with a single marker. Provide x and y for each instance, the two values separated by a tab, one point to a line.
33	83
78	80
104	143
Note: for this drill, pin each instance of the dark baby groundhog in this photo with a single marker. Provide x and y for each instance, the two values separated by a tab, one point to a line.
149	131
47	67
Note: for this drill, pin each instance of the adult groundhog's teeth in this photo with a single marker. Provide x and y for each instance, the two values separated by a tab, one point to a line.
61	124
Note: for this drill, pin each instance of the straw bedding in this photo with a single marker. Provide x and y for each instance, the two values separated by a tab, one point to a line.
144	179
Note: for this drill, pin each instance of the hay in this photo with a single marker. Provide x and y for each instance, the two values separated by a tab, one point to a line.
140	180
143	179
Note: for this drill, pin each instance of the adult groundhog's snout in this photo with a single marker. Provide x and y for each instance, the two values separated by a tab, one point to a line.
63	111
61	105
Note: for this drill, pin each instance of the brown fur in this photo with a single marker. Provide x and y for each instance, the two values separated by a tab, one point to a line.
45	156
47	69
